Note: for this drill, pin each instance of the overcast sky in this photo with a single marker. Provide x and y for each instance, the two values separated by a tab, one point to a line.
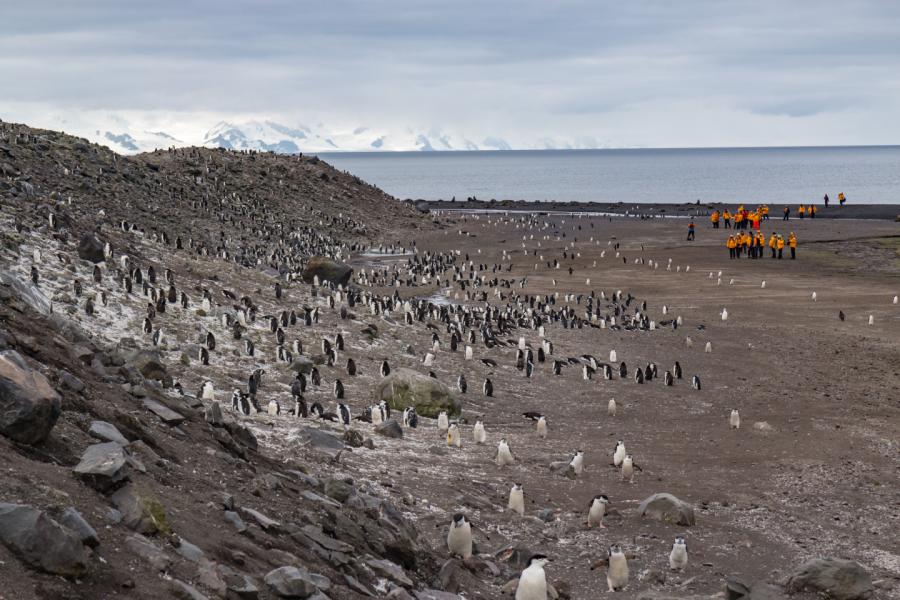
629	73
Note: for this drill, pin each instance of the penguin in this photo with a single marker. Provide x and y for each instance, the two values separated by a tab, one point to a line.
628	469
695	382
314	377
504	456
89	307
351	367
338	389
158	337
428	361
638	375
385	409
344	414
479	433
735	420
300	407
317	409
488	388
577	462
443	422
841	315
34	275
203	356
273	408
619	453
678	557
533	581
611	407
453	436
517	499
541	427
147	327
461	384
529	369
668	379
708	347
410	418
249	348
385	368
459	538
210	341
207	392
617	569
612	356
623	370
377	417
597	511
677	370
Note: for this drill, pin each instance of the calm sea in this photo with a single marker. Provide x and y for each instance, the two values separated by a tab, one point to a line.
867	175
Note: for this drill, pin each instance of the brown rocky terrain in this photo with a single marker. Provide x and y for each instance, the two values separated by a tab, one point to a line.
189	498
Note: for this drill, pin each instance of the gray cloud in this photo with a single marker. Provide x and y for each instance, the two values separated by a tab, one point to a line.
513	70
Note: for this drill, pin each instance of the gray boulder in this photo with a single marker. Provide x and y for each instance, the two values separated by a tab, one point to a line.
72	519
668	508
390	428
141	511
155	556
29	406
27	293
90	248
102	466
327	270
214	415
835	577
406	387
149	364
106	432
320	441
41	542
302	364
294	582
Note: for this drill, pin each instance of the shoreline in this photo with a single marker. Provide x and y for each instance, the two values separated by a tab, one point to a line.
890	212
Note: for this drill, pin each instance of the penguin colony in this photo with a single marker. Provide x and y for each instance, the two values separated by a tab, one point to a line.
271	330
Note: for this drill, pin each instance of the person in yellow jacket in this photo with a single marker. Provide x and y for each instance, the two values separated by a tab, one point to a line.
812	210
748	241
772	241
801	211
760	244
715	219
765	212
780	245
726	216
792	242
731	244
738	219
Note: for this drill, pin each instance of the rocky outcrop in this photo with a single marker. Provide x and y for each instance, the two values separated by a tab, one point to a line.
41	542
102	466
327	269
406	387
837	578
91	248
668	508
29	406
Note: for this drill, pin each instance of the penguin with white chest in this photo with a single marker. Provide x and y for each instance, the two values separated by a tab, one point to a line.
443	421
453	436
735	419
619	453
541	427
617	569
517	499
597	511
504	456
678	557
479	433
459	538
577	462
533	580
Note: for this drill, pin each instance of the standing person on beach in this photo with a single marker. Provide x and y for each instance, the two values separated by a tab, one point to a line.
715	219
801	211
726	216
826	200
765	212
787	213
690	237
772	241
732	247
780	244
841	199
792	242
812	211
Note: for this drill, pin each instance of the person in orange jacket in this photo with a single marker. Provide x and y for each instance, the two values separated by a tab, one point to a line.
801	211
792	242
780	246
765	212
812	211
732	247
715	219
772	241
726	216
760	244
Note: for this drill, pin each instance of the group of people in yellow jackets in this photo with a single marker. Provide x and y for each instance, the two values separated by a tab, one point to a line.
754	244
742	217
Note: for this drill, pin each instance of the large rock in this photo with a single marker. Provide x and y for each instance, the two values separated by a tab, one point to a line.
107	432
406	387
327	270
302	364
390	428
150	365
668	508
155	556
90	248
102	466
318	440
294	582
837	578
29	406
141	511
40	541
27	293
72	519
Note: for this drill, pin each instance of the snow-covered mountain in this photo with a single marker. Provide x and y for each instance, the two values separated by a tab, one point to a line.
268	135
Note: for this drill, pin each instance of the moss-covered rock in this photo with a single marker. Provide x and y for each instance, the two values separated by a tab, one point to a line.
406	387
141	511
327	269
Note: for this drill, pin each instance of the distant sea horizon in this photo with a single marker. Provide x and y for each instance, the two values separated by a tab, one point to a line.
786	174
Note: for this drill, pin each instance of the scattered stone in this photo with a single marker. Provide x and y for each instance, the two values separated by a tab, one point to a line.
547	515
437	595
141	511
183	591
389	570
236	520
188	550
339	490
668	508
390	428
149	364
214	415
353	438
295	582
29	406
302	364
41	542
168	416
321	442
27	293
144	548
262	520
107	432
102	466
70	382
72	519
840	579
406	387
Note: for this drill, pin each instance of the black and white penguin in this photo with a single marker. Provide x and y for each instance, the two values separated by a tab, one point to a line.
529	369
695	382
638	375
410	418
351	367
203	356
89	306
385	368
344	414
461	384
249	347
488	387
314	377
300	407
597	510
34	275
316	409
668	379
158	337
677	370
210	341
338	389
459	538
533	580
678	557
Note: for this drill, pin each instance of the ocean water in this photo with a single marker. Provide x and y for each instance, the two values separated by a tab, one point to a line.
866	174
